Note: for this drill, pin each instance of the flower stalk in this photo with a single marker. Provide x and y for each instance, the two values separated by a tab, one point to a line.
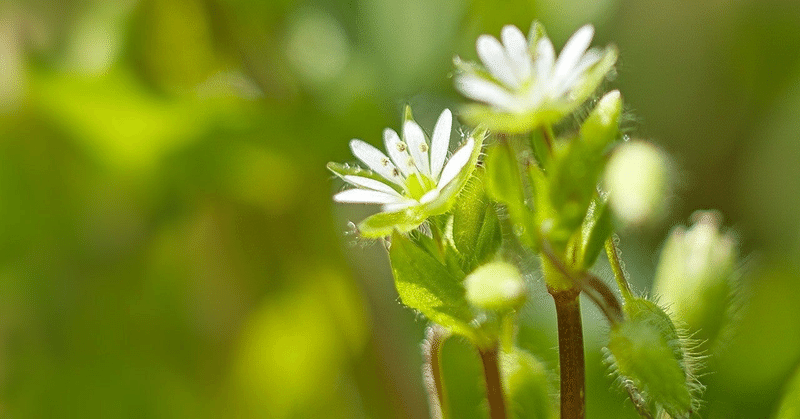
494	387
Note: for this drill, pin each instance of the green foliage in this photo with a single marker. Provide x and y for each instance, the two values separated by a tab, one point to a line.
647	351
790	404
426	285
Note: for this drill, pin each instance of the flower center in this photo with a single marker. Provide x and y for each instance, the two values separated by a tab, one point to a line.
418	184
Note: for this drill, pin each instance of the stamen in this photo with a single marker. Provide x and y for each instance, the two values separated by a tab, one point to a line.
401	146
423	148
410	162
385	162
395	172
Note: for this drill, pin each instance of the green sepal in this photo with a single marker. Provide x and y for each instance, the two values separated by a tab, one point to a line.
504	184
383	224
508	122
647	350
596	228
450	193
407	114
591	80
475	228
601	127
527	386
426	285
343	169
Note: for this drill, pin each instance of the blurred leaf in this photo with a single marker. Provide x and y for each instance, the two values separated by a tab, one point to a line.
527	385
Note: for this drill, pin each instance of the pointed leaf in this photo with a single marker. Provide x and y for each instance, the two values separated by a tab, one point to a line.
426	285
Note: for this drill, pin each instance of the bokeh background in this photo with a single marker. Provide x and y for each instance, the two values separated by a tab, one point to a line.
169	249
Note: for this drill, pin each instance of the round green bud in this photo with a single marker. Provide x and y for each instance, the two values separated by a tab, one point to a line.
495	286
653	360
637	178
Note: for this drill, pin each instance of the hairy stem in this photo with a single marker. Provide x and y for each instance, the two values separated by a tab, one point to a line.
619	274
494	387
595	289
435	337
570	353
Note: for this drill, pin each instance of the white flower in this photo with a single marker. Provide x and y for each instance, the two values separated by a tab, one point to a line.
523	76
416	177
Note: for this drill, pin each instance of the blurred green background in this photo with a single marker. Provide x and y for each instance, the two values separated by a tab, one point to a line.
168	246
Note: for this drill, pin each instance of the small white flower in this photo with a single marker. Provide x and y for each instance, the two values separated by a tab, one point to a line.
415	177
523	76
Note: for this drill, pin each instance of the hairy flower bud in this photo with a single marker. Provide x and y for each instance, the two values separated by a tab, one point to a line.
638	181
495	286
694	274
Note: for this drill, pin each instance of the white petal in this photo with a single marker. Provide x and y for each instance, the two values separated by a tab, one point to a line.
589	59
545	59
456	163
517	49
364	196
429	196
375	160
482	90
440	142
495	60
397	206
572	52
368	183
398	151
417	146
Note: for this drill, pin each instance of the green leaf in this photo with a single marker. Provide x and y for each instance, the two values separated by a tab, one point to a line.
426	285
596	228
647	350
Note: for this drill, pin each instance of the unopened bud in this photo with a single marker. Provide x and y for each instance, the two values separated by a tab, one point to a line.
527	385
694	274
495	286
638	180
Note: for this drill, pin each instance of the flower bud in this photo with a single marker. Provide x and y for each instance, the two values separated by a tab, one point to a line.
694	274
653	360
637	178
527	386
495	286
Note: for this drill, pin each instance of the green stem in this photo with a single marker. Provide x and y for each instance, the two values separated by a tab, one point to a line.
616	266
435	337
570	353
507	331
494	387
